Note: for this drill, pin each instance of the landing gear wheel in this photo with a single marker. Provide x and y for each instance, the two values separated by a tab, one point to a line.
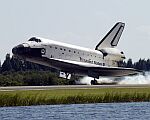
94	82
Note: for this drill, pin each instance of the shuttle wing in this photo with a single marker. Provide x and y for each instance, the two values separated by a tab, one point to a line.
93	70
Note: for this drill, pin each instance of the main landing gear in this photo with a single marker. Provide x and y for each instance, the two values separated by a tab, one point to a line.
67	75
94	82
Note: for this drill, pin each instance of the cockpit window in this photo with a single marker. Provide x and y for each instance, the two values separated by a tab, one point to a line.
34	39
122	53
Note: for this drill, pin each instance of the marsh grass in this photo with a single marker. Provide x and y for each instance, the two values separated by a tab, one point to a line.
74	96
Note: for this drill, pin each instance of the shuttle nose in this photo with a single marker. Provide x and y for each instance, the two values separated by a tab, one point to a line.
20	49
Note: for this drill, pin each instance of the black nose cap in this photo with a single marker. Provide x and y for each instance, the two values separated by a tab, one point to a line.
14	50
20	49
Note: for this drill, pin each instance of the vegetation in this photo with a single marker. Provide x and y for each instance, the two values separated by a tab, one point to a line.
31	78
142	64
74	96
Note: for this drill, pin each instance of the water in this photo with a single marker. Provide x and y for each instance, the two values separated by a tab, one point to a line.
100	111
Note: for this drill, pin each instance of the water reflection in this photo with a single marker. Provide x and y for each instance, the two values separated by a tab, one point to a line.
103	111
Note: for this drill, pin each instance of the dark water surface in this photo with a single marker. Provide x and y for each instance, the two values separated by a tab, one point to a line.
100	111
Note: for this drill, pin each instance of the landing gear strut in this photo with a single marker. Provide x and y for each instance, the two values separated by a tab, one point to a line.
67	75
94	82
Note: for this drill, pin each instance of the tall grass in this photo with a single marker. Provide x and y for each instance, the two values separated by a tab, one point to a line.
73	96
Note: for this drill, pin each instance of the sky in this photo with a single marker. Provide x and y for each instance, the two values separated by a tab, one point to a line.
79	22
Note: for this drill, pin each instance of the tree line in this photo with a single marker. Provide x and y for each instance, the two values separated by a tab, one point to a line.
141	64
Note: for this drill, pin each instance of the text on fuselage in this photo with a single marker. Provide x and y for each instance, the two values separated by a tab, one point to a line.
91	61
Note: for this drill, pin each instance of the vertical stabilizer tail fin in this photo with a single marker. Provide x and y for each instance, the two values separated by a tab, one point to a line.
112	37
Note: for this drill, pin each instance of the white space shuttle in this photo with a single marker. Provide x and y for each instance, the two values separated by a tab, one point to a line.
103	61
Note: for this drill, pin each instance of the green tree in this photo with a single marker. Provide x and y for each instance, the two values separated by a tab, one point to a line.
148	64
129	63
7	64
16	64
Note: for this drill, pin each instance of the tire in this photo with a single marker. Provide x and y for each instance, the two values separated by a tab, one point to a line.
92	82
